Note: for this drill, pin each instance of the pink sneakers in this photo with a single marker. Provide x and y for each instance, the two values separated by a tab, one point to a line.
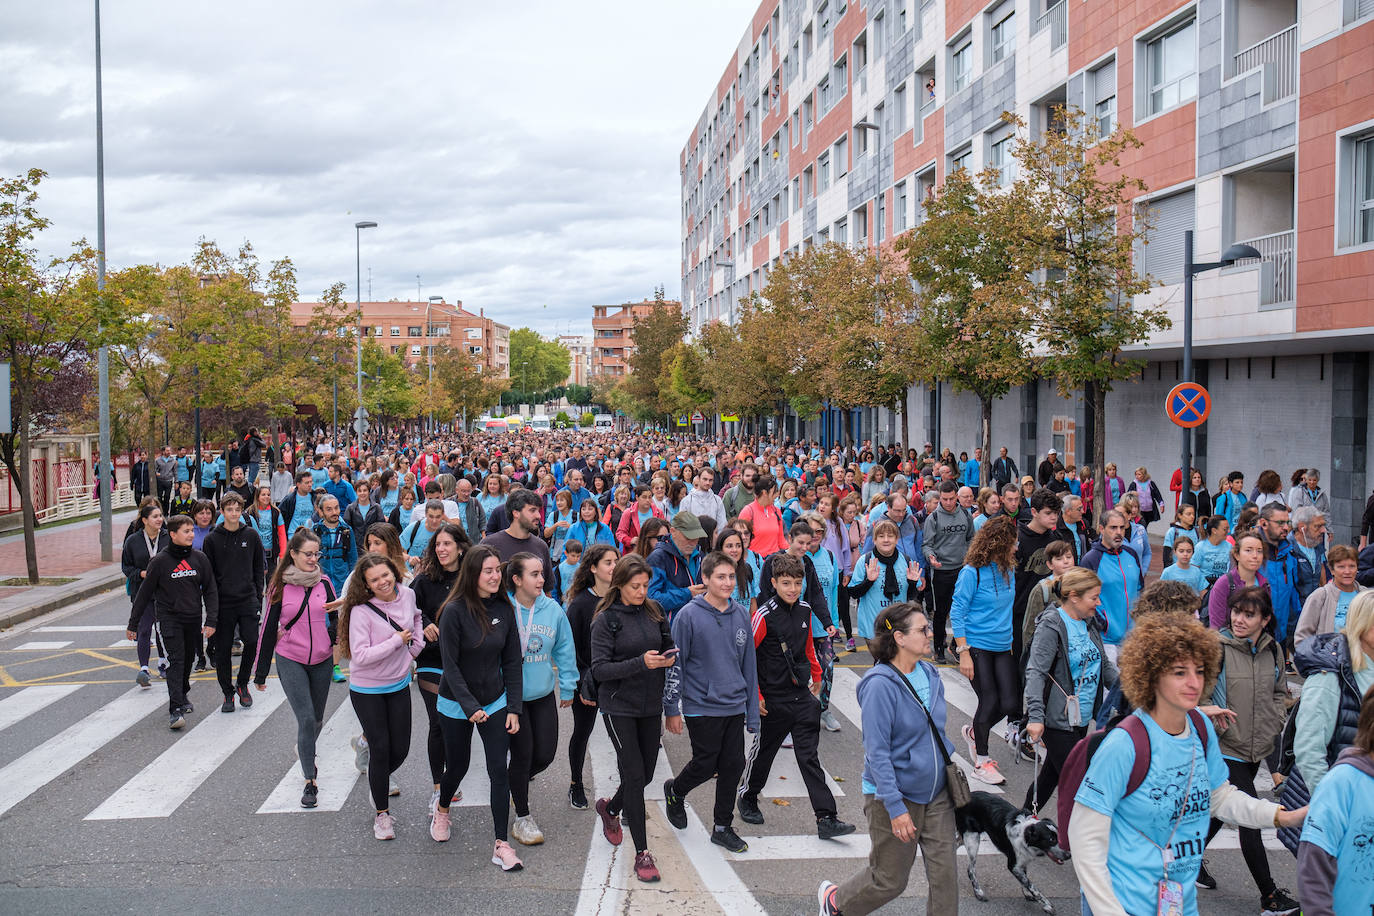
384	827
645	869
439	826
610	823
505	857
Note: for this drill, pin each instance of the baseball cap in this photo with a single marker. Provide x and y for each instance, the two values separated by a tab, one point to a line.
687	523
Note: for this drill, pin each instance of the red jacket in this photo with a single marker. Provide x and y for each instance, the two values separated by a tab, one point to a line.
628	530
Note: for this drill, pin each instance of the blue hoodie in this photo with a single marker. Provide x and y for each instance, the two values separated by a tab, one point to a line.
672	575
716	672
901	760
980	611
1122	580
547	640
1282	572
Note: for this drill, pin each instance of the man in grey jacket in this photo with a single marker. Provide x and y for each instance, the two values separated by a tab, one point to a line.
945	539
742	493
702	501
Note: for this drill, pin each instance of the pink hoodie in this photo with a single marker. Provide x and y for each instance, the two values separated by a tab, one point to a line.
380	659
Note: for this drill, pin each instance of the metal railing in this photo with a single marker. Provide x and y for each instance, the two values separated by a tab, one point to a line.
1277	56
78	500
1277	265
1056	19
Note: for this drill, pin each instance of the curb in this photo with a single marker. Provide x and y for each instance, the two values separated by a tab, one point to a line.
56	602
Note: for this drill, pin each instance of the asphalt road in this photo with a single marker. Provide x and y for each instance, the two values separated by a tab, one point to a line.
103	809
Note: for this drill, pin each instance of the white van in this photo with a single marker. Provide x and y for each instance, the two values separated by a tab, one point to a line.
604	422
540	422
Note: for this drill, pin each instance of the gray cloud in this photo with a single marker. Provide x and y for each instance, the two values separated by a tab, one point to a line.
520	158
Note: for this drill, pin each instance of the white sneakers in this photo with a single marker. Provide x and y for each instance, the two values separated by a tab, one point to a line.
987	772
526	832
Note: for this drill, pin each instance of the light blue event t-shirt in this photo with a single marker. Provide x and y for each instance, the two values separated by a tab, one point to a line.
1133	862
1342	605
1085	663
920	682
1340	822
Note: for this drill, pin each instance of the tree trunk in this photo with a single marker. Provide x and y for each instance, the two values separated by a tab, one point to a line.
985	438
905	437
1097	402
25	487
151	454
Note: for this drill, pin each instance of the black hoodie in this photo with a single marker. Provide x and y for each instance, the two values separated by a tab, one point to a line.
479	667
236	558
179	580
625	686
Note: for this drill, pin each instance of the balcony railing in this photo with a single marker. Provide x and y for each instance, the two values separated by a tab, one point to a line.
1277	56
1277	263
1056	19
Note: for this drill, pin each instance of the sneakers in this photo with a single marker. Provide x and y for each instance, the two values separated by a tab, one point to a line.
677	808
392	788
1278	903
360	753
176	721
825	896
311	796
162	668
237	648
849	644
727	838
228	705
610	823
142	679
526	831
577	797
829	721
338	676
749	810
188	708
200	666
967	732
434	802
1204	877
384	826
940	657
439	826
989	772
645	869
505	857
245	698
828	828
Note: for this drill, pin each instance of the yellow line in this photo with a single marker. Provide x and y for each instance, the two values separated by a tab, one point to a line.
45	658
48	683
48	678
6	680
106	658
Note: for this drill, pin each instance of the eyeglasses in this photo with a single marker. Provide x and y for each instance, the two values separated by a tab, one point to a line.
309	554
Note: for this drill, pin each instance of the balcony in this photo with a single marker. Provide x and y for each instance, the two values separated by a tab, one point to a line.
1257	207
1056	19
1277	58
1276	266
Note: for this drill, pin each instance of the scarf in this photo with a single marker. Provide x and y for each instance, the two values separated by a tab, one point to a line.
180	553
891	588
294	575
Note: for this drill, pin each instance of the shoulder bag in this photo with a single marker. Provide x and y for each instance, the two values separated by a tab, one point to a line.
955	779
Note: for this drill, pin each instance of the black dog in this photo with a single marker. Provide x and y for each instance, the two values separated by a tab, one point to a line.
1018	834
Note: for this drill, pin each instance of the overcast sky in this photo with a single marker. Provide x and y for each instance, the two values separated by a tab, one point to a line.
521	157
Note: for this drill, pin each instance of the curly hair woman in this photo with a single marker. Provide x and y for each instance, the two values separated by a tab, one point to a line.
1133	851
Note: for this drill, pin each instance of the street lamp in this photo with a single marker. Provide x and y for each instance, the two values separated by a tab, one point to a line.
358	228
1190	269
429	334
866	124
106	481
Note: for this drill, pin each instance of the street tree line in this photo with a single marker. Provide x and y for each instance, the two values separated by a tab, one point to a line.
1001	282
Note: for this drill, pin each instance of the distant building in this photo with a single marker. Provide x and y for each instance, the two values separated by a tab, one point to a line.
613	333
579	357
401	328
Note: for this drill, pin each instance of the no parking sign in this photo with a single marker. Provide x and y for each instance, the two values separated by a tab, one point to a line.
1188	405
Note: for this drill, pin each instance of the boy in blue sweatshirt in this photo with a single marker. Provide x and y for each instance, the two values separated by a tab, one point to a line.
715	686
567	567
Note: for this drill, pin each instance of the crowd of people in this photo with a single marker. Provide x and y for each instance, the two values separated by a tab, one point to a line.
680	583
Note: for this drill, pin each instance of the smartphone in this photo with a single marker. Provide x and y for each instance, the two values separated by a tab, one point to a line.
671	652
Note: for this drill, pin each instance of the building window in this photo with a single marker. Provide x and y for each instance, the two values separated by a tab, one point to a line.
1003	37
1171	65
841	156
823	164
395	331
1169	218
416	351
899	112
809	182
842	231
1355	197
961	63
899	214
415	331
1103	88
1000	158
961	160
826	100
796	194
395	350
861	224
1364	191
841	77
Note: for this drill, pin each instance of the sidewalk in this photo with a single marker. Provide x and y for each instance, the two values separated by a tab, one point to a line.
64	551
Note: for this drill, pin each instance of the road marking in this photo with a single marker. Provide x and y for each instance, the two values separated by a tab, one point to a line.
335	773
717	876
161	787
39	645
608	867
104	628
52	758
30	700
123	644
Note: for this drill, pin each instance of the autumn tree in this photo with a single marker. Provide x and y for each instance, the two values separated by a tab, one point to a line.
654	334
682	383
48	331
973	310
468	389
740	383
539	364
1080	197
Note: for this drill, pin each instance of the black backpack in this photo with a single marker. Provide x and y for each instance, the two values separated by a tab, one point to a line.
587	685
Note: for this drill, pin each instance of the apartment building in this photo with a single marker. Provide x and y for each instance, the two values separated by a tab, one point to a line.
834	119
409	328
613	334
579	357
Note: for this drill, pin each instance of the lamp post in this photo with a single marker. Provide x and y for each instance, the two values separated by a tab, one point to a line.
105	481
358	228
429	335
866	124
1190	269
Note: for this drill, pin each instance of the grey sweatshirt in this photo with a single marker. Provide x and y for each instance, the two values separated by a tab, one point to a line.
715	674
946	536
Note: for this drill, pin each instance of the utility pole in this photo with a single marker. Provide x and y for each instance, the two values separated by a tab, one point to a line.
104	480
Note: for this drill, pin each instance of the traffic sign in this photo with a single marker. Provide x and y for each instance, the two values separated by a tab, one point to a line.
360	413
1188	405
682	420
729	418
360	426
698	417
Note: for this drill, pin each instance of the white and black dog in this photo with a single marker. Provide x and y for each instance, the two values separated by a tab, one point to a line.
1018	834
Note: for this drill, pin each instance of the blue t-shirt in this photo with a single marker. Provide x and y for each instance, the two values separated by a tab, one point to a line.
417	540
318	477
1085	663
1212	560
1134	863
1342	605
1192	575
305	507
920	682
1340	822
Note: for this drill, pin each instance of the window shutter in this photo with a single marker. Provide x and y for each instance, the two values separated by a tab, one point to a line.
1163	257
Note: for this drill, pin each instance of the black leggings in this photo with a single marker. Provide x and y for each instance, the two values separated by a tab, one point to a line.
434	741
636	750
1058	743
843	615
584	720
532	748
999	693
385	718
458	748
1251	842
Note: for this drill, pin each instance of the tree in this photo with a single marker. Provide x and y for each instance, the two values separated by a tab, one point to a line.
1080	198
682	384
48	330
973	315
653	334
541	364
739	385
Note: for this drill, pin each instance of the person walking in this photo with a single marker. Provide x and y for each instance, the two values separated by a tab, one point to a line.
139	549
1327	608
237	561
946	536
714	689
589	586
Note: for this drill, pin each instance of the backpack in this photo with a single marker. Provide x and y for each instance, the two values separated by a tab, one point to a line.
1076	764
587	685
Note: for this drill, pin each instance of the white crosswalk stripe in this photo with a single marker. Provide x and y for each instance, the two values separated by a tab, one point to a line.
30	700
40	766
103	628
335	773
44	645
162	786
